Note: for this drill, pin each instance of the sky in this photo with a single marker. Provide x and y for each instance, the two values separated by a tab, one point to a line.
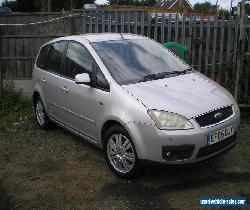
222	3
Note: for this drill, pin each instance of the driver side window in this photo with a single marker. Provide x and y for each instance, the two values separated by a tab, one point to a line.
101	81
78	60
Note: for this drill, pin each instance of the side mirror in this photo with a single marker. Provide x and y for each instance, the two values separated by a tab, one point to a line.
82	78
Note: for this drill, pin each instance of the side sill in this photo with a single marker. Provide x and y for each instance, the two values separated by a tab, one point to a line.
76	132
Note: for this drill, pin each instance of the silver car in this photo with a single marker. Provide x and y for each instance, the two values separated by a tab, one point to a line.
133	98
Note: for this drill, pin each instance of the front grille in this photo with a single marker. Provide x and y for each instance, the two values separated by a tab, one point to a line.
210	149
214	117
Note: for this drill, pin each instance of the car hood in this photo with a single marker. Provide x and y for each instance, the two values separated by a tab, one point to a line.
190	95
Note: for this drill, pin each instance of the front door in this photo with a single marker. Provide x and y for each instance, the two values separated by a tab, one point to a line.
78	100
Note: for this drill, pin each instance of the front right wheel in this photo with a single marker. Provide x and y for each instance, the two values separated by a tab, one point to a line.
120	152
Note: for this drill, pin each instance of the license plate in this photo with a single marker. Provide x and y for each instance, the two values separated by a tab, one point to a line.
220	135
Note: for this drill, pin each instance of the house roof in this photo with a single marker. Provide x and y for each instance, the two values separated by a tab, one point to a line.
169	3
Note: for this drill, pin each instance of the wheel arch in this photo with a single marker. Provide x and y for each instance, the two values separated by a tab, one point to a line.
35	95
108	124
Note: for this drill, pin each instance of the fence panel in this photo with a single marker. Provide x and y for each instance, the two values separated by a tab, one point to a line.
213	44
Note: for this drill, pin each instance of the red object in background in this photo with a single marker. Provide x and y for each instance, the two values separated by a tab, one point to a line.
218	79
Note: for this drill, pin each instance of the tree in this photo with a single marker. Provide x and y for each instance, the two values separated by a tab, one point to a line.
132	2
42	5
22	5
120	2
27	6
248	8
225	13
58	5
205	7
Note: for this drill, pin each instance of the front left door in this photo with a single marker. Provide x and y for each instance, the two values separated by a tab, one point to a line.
78	100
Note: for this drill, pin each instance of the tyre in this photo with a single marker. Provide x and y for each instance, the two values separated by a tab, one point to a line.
40	113
120	152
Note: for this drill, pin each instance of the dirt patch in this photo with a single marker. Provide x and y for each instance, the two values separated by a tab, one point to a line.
55	170
4	199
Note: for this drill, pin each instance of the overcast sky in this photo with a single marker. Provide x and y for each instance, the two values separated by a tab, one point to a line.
222	3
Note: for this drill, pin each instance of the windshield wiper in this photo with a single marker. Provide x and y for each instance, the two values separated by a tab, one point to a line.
180	72
156	76
164	74
149	77
186	71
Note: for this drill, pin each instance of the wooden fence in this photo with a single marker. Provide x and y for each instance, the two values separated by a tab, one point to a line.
214	45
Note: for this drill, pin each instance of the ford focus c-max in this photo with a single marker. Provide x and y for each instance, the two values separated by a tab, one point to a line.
134	99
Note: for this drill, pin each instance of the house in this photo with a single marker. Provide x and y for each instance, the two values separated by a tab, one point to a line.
174	4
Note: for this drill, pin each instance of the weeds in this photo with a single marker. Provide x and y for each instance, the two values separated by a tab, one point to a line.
14	107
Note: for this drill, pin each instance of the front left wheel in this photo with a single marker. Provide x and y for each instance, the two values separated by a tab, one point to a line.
120	152
41	116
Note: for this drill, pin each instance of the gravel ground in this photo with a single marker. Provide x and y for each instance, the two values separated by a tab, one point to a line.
55	170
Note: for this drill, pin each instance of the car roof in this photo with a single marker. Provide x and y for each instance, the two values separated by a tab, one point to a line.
100	37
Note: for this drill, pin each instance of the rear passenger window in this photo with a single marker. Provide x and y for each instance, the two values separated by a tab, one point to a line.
78	60
55	54
41	60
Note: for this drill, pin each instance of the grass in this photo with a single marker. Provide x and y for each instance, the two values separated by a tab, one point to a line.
14	108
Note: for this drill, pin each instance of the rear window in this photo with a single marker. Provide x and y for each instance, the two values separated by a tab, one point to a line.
41	60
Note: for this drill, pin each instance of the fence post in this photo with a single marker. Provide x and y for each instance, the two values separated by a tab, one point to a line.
1	80
1	74
240	50
84	22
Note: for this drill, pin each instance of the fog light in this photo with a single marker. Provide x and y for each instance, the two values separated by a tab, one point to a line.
173	153
168	154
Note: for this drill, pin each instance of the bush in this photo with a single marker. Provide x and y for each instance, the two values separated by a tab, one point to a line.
13	106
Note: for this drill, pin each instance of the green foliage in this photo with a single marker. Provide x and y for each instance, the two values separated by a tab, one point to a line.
205	7
224	12
248	8
27	6
132	2
13	107
42	5
23	5
58	5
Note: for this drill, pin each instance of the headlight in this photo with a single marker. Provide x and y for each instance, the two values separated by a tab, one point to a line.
169	121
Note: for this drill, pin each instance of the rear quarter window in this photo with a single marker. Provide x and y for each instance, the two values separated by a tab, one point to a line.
41	59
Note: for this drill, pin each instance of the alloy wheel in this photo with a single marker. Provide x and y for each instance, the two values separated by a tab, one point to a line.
121	153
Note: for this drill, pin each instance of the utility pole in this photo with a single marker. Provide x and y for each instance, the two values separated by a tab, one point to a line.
216	5
231	6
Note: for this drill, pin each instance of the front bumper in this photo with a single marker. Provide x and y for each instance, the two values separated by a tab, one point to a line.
189	145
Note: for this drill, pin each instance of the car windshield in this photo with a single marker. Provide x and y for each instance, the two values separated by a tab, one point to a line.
131	61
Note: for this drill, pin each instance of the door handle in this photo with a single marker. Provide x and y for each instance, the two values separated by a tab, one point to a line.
43	80
65	89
